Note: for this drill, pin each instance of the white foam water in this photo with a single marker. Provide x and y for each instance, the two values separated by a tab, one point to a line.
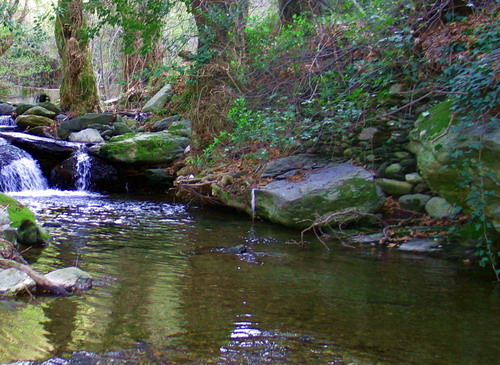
83	166
22	174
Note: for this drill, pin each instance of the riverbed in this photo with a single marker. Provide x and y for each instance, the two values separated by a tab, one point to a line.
167	291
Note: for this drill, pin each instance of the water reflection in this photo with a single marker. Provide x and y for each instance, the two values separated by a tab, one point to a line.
163	284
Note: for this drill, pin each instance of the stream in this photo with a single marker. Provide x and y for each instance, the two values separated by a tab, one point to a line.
166	292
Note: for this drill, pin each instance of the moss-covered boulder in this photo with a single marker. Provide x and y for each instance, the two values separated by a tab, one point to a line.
41	111
144	148
23	220
29	121
320	193
459	161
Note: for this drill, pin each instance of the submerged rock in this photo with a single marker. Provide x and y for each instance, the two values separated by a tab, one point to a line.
71	279
422	245
14	282
334	188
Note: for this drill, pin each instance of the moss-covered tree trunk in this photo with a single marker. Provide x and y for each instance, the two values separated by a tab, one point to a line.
79	88
221	48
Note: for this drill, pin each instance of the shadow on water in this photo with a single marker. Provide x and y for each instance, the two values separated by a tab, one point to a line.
168	292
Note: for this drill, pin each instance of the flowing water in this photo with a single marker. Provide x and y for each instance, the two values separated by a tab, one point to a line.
7	121
83	166
166	292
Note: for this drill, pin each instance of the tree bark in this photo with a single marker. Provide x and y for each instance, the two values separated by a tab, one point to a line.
79	88
221	47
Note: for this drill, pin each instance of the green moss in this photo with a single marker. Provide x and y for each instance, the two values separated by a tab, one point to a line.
436	120
17	212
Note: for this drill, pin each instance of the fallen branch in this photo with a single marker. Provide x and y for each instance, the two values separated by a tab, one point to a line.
41	281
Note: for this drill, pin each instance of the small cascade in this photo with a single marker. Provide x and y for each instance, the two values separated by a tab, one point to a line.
22	174
83	166
7	121
253	202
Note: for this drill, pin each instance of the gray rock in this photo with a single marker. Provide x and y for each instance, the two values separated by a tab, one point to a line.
421	245
367	238
120	128
413	178
88	135
163	124
181	128
85	121
13	282
71	278
414	201
334	188
394	187
6	109
156	103
281	166
368	134
439	208
39	110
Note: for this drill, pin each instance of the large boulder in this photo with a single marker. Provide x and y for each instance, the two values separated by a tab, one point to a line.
456	161
143	148
156	103
318	194
22	219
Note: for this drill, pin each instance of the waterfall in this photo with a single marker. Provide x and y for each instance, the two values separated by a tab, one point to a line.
22	174
83	166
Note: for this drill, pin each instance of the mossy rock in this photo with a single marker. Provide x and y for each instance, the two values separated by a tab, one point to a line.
332	189
41	111
448	157
31	121
21	218
144	148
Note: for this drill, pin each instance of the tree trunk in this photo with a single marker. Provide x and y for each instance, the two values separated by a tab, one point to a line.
221	46
288	9
79	88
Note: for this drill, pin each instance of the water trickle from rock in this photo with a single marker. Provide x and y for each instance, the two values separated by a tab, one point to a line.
253	202
83	166
22	174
